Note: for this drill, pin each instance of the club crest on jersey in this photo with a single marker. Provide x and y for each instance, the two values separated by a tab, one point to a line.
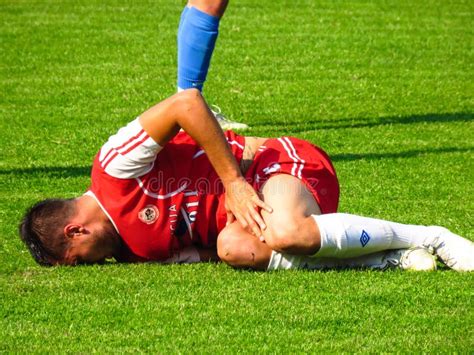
149	214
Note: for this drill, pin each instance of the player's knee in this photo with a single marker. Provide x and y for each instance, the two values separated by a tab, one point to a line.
281	235
290	235
210	7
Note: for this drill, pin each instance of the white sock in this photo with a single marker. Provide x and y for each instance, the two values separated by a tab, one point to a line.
376	261
344	235
283	261
280	261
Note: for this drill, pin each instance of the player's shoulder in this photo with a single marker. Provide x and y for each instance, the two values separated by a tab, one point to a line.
129	153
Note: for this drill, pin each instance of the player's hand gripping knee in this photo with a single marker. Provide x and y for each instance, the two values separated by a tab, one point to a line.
242	203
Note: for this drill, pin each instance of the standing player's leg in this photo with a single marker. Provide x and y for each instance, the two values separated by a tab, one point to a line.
197	36
296	227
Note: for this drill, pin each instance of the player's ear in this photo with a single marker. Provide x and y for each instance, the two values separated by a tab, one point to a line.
72	230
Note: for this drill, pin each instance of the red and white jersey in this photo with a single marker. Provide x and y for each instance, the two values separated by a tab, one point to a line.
159	199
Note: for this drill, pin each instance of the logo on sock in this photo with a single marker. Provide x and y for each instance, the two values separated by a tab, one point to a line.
364	238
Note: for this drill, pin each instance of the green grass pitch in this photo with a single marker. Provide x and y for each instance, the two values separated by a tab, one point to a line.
386	87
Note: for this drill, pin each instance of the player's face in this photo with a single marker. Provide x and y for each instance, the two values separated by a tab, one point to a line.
92	247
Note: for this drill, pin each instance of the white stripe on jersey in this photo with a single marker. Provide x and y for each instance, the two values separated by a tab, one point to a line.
188	222
121	146
236	143
296	155
126	146
129	153
158	196
199	153
108	158
293	169
91	194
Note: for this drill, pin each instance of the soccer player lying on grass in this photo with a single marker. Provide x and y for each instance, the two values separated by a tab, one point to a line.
161	194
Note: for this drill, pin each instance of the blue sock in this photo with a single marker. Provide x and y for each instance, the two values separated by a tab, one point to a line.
197	36
181	20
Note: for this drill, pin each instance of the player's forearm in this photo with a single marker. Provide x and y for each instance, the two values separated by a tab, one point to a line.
201	125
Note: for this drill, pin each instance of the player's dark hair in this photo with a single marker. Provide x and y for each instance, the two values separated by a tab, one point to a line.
42	230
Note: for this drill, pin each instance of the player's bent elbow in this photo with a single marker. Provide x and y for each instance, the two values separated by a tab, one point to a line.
186	100
186	105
